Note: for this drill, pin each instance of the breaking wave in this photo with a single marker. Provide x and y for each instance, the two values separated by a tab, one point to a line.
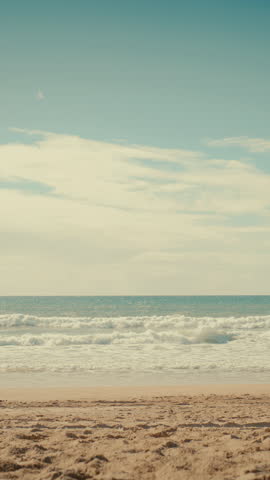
10	321
173	346
30	330
146	337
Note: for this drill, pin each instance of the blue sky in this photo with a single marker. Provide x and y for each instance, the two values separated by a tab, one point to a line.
161	73
158	114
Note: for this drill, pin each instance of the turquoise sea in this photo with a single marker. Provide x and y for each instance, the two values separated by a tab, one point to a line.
134	340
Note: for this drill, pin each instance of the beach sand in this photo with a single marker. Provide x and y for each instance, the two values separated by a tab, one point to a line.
187	432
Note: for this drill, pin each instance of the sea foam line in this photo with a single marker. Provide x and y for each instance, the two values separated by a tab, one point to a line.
146	337
166	322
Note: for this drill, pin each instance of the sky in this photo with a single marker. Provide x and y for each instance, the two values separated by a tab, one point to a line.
134	147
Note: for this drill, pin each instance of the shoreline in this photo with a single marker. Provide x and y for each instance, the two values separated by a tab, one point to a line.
28	394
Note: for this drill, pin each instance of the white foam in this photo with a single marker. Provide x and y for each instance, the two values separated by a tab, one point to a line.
168	344
29	330
117	337
9	321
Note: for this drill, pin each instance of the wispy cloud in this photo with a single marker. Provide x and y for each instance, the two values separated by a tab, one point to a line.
250	144
102	210
40	95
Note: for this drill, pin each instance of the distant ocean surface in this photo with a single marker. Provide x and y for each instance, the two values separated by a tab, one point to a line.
69	341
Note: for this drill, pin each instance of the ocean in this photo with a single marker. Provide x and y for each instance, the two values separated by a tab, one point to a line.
151	340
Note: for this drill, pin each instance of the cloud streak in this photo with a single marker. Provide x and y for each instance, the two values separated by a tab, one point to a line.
258	145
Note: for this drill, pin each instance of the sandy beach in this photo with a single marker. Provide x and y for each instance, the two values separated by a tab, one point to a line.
187	432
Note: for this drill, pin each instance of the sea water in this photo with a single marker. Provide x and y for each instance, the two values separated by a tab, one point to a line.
134	340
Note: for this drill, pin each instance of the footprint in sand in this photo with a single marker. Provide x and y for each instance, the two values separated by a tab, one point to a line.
71	435
171	444
24	436
7	466
18	450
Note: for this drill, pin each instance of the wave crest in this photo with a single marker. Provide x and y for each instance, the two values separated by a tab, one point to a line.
128	338
166	322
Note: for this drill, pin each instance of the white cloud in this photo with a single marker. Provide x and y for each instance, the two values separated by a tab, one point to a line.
251	144
127	219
